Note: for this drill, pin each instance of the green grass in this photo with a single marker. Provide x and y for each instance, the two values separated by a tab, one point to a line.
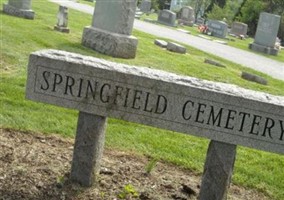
20	37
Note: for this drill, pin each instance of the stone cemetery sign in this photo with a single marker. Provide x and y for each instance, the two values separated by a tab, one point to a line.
218	28
266	33
226	114
111	29
145	6
187	16
167	17
239	28
62	20
19	8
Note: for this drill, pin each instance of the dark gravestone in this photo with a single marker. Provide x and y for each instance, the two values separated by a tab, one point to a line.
239	28
254	78
218	28
167	17
187	16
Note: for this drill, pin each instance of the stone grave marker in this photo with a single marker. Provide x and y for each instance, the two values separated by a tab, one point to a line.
218	28
226	114
266	33
167	17
161	43
111	29
177	48
200	21
254	78
145	6
239	29
62	20
19	8
186	16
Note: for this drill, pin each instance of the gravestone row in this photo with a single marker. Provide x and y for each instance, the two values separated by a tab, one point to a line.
226	114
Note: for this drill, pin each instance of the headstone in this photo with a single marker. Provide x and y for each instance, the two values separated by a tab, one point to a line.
187	16
254	78
167	17
111	29
19	8
200	21
218	28
145	6
213	62
266	33
239	29
161	43
62	20
177	48
226	114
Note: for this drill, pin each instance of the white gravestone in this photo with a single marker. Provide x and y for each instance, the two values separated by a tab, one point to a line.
111	29
226	114
145	6
19	8
266	33
62	20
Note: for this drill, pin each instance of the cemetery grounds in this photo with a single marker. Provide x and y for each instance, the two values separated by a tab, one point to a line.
139	161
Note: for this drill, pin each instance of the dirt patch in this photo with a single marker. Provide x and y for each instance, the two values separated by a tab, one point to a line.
36	166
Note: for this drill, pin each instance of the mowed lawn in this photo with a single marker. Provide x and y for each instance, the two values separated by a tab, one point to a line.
19	37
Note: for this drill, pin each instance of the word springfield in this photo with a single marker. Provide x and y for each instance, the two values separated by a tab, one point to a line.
217	111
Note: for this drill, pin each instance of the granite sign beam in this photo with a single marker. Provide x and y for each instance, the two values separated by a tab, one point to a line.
217	111
226	114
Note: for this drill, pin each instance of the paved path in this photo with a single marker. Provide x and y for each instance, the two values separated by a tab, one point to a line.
245	58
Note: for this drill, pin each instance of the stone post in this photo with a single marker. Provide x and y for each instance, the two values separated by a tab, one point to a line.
62	20
111	29
19	8
88	148
218	171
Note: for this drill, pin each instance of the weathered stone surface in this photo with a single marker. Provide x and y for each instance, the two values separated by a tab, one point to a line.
218	28
111	29
263	49
174	47
187	16
145	6
11	10
62	20
161	43
116	45
167	17
266	33
217	111
254	78
213	62
88	148
115	16
218	171
239	29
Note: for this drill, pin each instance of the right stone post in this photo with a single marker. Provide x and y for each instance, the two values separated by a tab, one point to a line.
218	171
111	29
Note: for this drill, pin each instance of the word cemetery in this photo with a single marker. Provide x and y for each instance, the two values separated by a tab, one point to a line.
225	114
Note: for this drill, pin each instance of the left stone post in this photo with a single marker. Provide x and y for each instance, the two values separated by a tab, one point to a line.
19	8
111	29
88	148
